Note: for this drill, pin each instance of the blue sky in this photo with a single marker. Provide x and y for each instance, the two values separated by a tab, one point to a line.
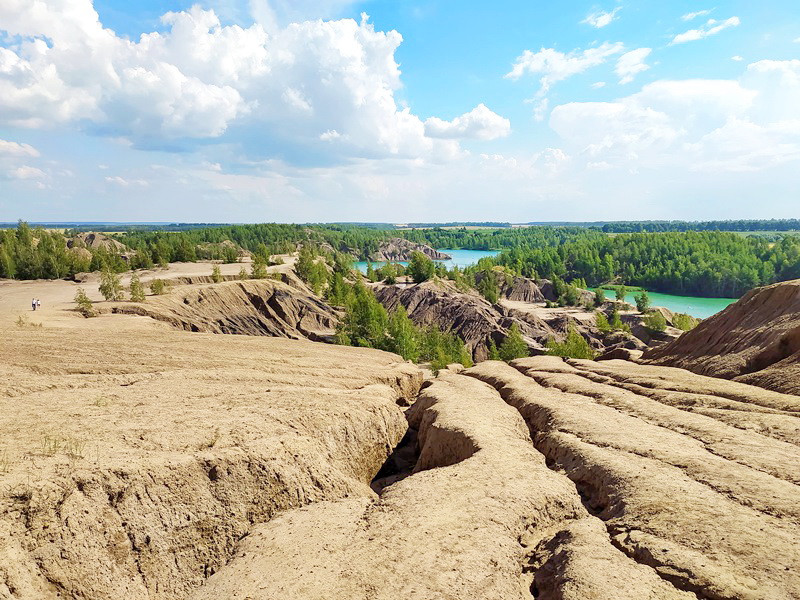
331	110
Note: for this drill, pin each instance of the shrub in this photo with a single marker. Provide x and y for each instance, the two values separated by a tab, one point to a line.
258	269
655	321
602	322
684	322
494	353
621	292
513	346
573	346
599	298
216	274
158	286
85	306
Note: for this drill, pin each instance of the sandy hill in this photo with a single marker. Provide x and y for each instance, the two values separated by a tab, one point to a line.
400	249
755	340
145	462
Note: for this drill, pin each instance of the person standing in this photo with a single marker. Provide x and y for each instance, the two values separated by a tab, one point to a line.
38	303
33	303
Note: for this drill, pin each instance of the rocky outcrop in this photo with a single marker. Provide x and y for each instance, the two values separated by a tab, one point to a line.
474	319
399	249
263	307
755	340
95	241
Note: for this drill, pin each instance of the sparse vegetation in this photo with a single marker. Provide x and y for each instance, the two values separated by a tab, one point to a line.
655	321
110	285
136	288
573	346
216	274
158	286
513	346
642	302
420	267
85	306
258	268
601	321
684	322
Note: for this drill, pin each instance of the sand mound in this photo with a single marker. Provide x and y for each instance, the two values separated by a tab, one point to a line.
251	307
755	340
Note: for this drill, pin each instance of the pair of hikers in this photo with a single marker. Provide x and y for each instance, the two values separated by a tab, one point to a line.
36	303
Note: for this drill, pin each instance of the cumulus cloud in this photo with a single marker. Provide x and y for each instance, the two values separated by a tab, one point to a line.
737	58
712	27
601	18
751	123
15	149
556	66
480	123
693	15
630	64
598	84
198	79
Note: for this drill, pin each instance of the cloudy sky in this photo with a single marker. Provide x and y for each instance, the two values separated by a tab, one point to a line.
398	110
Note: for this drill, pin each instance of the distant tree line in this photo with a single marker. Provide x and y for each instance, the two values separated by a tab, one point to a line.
733	225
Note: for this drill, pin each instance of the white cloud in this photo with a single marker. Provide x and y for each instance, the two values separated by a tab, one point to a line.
630	64
797	40
27	172
601	18
16	149
693	15
699	125
556	66
598	84
198	79
712	27
117	180
480	123
737	58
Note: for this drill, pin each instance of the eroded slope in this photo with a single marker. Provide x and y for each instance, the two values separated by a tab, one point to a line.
132	462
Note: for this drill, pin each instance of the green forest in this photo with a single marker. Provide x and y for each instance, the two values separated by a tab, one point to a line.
698	263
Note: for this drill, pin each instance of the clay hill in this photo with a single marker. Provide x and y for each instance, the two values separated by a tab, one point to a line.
253	307
756	340
399	249
478	322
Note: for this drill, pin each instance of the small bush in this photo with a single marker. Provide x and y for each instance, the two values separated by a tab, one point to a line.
685	322
85	306
602	322
513	346
655	321
574	346
216	274
110	285
158	286
642	302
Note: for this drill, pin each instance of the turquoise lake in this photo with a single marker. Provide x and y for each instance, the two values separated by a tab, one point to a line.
702	308
461	258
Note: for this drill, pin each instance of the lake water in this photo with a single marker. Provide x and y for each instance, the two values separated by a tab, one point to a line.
702	308
461	258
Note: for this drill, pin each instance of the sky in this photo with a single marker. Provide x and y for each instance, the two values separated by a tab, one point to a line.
398	111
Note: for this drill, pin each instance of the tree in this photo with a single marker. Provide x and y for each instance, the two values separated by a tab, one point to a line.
216	274
616	321
513	346
420	267
243	274
371	272
599	297
136	288
85	306
404	335
642	302
602	322
621	292
258	268
574	346
494	354
684	322
487	286
110	285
